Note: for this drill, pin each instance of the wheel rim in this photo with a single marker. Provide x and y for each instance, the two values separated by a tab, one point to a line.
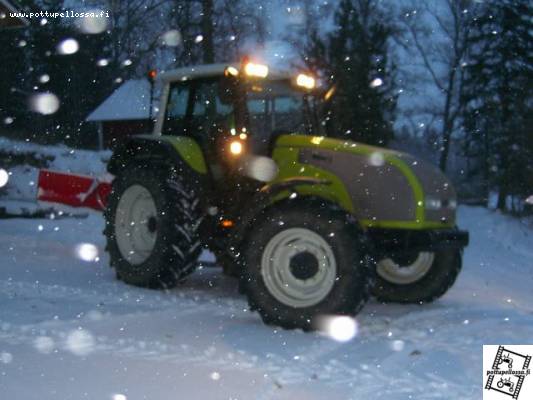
398	274
136	224
298	267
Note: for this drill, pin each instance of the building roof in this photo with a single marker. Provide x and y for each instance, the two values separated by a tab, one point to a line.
7	21
130	101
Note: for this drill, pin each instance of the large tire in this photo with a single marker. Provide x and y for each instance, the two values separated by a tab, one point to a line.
152	220
281	256
436	274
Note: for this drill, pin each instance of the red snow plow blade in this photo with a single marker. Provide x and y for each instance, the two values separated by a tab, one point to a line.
73	190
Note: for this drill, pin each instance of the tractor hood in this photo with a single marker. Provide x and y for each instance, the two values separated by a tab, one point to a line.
383	188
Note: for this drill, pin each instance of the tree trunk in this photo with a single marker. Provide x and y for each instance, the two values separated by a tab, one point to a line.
207	32
446	136
502	195
447	122
486	169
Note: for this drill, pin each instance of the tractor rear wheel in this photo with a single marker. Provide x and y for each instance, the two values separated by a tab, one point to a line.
421	277
302	264
152	221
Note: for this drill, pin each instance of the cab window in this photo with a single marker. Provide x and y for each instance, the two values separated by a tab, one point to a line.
198	108
177	110
212	110
274	109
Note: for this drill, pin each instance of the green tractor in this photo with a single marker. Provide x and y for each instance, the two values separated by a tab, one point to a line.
311	226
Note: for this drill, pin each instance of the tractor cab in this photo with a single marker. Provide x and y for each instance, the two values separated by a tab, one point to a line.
238	163
234	111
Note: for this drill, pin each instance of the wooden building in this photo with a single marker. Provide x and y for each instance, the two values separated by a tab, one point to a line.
126	112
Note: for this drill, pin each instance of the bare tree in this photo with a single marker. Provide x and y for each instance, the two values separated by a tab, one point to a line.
133	32
208	31
239	22
442	53
208	45
306	28
215	30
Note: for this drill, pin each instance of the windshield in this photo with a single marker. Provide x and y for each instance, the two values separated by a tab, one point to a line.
276	108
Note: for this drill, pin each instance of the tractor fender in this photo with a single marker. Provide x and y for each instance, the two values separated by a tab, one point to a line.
275	188
178	150
272	195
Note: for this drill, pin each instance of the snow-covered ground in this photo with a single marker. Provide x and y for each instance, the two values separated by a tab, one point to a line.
20	193
69	330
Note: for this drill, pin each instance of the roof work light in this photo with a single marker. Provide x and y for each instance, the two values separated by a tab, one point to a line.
257	70
306	81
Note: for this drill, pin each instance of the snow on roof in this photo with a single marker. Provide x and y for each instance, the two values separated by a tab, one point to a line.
210	70
130	101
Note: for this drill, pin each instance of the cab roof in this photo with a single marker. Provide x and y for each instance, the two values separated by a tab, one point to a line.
211	70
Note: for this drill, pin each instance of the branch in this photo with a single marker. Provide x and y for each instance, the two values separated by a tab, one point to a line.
425	58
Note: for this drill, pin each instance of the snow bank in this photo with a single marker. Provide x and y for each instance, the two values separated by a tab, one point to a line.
22	160
70	330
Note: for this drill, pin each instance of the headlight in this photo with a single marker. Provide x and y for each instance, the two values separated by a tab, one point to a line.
4	177
433	203
235	147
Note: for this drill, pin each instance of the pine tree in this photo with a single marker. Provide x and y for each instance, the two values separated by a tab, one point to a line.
355	58
498	97
75	79
13	72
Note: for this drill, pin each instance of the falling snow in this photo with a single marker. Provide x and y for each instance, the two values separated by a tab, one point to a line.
73	322
69	329
68	46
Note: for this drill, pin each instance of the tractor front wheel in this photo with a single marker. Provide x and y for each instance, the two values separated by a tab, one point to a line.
420	277
303	264
152	221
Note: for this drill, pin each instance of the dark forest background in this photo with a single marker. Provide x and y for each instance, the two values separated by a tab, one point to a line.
449	80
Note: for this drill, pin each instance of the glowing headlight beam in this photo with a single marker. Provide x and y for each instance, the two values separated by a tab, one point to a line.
258	70
306	81
235	147
433	203
232	71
